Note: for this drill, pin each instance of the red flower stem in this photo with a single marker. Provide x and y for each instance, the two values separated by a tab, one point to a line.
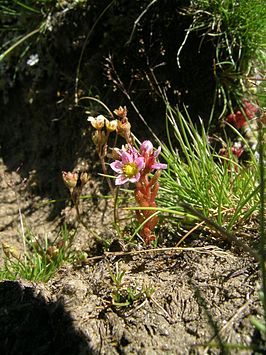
145	194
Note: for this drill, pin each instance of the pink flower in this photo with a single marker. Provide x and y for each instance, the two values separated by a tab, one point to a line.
130	150
129	167
150	155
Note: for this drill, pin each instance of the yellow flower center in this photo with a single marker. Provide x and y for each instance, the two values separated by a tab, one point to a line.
130	170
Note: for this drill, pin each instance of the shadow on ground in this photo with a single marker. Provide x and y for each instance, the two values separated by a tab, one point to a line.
31	324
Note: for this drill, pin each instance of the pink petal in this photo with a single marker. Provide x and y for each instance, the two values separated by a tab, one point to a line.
126	158
135	153
146	147
117	166
157	152
135	178
121	179
140	163
159	166
130	149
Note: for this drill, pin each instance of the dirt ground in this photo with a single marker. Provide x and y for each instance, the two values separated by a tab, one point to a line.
188	301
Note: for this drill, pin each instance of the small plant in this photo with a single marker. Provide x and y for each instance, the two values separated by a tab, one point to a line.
218	185
117	298
136	166
117	278
124	296
131	165
75	181
39	261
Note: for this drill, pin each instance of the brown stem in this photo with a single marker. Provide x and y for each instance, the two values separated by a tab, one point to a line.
75	200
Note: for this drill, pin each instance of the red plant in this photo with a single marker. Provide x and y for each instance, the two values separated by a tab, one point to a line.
134	166
240	118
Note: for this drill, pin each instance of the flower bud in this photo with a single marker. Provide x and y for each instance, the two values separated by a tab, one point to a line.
70	179
53	251
121	112
124	128
94	137
116	154
146	147
84	177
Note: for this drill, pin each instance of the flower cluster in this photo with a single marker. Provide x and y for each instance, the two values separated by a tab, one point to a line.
100	122
132	164
121	125
135	166
246	121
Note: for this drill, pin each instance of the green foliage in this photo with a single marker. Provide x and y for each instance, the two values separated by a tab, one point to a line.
39	261
124	296
121	298
218	186
237	30
117	277
237	24
262	217
226	44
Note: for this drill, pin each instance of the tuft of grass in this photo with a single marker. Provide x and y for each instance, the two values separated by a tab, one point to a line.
239	27
237	31
39	261
218	186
